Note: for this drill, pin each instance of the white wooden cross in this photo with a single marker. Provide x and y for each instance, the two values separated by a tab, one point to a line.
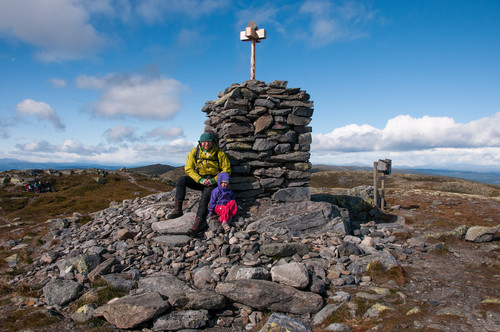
254	34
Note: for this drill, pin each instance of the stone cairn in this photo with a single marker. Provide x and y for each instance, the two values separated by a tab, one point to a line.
264	130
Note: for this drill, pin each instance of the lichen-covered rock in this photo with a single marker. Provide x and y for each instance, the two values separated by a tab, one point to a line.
132	310
267	295
481	233
279	322
60	292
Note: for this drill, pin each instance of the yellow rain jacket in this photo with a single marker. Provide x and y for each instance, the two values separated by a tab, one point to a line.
201	164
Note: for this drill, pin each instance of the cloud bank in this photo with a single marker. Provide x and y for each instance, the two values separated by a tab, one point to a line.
437	142
172	153
415	140
134	96
404	133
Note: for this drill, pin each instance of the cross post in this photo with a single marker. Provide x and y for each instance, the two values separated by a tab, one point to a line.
253	34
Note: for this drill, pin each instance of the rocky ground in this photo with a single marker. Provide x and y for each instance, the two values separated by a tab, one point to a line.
419	266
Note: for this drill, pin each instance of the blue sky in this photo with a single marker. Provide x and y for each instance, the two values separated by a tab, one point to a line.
122	82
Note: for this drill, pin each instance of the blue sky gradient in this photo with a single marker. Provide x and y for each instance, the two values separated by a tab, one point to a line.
123	82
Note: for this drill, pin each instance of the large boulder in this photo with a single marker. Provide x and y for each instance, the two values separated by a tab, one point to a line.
61	292
268	295
291	274
302	218
164	283
481	233
129	311
179	225
179	320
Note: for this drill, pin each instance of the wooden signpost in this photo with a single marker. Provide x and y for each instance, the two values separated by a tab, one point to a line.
380	170
255	35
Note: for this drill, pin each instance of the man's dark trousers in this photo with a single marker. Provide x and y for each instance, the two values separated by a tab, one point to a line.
180	194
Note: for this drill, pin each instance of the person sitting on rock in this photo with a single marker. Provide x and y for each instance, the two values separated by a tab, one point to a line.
203	164
222	201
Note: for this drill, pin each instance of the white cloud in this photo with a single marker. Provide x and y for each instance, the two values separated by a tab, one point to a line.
330	22
44	148
37	146
417	141
59	28
58	83
94	83
451	158
63	30
349	138
4	125
261	15
404	133
71	146
134	96
103	7
119	134
155	10
173	153
41	110
161	133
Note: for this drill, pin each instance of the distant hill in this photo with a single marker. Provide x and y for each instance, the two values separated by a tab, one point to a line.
490	177
325	168
152	170
7	164
483	177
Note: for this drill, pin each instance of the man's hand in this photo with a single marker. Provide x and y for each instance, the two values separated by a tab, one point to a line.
206	182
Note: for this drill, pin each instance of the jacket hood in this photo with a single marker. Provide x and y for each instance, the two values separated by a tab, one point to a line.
223	176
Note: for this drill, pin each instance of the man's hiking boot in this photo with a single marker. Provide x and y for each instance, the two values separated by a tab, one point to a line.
177	211
198	227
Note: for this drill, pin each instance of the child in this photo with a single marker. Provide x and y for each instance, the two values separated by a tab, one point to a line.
222	201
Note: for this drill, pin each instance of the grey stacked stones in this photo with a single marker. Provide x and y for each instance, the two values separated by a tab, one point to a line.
264	129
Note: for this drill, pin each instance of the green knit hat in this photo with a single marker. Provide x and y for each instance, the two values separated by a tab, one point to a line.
206	137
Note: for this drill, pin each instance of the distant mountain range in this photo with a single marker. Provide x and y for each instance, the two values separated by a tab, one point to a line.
16	164
491	177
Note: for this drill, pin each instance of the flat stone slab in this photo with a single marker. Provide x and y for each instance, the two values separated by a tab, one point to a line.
268	295
173	240
179	225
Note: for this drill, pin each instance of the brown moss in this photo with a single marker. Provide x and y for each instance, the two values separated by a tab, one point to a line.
77	193
27	319
380	276
27	290
350	179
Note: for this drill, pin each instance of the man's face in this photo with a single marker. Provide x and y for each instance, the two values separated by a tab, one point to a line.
207	145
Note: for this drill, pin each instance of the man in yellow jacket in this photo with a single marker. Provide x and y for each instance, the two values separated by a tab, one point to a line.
203	164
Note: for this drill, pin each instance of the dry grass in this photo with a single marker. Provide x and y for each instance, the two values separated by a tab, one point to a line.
74	193
28	319
350	179
23	214
350	314
81	193
381	276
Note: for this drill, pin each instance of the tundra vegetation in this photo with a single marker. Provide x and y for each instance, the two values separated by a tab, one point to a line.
417	293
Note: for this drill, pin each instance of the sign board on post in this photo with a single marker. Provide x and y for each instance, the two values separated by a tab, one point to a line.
385	166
